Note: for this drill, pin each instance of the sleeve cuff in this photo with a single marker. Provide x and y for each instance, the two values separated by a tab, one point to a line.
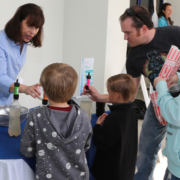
161	87
5	83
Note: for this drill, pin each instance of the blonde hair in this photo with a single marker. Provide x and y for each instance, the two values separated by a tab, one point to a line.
59	82
124	84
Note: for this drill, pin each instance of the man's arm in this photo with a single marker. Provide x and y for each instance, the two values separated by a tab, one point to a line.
94	95
137	82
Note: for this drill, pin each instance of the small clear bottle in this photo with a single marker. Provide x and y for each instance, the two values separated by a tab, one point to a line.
14	115
44	101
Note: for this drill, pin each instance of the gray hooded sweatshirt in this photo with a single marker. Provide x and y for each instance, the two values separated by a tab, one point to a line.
59	140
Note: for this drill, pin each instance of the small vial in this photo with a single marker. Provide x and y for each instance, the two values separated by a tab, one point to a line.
44	100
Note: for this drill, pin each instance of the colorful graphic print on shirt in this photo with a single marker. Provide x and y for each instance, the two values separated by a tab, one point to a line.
153	64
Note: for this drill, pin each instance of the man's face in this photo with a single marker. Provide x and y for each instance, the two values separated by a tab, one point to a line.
131	34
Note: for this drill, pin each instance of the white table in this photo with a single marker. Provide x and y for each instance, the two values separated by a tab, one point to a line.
15	169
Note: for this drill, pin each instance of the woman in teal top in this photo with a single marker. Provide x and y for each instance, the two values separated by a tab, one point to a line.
164	15
24	28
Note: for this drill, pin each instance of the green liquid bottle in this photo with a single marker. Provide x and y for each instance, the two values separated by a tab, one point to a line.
15	112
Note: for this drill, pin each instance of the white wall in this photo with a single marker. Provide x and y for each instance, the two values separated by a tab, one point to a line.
92	29
116	46
85	26
51	51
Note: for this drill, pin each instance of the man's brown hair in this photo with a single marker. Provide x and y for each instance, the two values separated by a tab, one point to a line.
35	17
124	84
143	13
59	82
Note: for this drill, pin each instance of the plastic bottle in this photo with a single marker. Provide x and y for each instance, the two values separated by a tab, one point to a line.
15	112
88	77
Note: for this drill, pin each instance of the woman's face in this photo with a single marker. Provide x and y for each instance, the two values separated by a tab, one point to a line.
28	32
168	11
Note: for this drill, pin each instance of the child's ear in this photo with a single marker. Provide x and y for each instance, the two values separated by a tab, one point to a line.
117	95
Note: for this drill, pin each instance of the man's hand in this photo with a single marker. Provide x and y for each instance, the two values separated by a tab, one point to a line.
157	79
172	81
101	119
92	93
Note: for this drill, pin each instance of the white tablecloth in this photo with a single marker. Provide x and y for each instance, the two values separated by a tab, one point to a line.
15	169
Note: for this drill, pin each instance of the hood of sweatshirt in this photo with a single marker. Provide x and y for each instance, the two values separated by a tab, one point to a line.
61	126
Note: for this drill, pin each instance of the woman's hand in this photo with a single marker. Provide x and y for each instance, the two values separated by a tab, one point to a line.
101	119
31	90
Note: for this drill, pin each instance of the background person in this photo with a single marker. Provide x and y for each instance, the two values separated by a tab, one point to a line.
164	15
25	27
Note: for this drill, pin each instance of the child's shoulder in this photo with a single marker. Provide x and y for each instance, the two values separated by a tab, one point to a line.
36	111
82	112
83	115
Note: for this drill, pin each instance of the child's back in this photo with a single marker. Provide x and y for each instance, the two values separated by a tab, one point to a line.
116	136
59	139
58	134
116	144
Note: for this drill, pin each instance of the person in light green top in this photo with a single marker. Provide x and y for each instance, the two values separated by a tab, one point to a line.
164	15
170	111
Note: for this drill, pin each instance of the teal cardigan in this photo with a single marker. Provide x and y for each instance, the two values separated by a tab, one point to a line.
170	110
162	21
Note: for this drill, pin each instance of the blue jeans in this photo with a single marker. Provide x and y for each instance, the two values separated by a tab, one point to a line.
152	133
174	177
169	176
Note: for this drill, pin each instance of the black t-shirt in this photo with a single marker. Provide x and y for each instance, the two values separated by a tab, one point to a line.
148	59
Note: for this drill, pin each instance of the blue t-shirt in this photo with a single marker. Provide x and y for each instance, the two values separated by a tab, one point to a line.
11	62
162	21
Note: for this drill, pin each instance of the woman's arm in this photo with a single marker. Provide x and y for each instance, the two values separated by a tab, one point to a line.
5	80
7	84
28	90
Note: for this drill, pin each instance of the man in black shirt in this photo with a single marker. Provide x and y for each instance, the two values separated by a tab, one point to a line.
150	47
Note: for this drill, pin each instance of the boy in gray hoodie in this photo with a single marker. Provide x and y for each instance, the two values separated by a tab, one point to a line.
58	135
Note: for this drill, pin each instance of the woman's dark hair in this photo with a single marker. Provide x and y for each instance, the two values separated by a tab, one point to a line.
35	17
160	13
140	16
